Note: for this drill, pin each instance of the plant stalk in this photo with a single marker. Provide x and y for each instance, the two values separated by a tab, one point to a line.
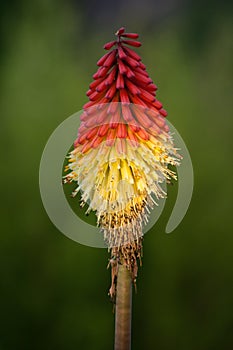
123	309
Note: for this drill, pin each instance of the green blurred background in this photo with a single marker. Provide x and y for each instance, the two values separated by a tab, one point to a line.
53	291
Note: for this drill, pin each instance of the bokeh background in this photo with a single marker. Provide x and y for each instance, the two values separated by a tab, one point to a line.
53	291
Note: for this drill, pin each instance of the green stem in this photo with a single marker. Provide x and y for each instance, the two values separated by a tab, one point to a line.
123	309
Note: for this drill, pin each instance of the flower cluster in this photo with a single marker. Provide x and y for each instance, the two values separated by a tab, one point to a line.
123	149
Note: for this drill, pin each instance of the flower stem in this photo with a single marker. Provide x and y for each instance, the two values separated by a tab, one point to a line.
123	309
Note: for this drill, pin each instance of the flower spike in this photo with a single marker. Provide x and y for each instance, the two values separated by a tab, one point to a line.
122	151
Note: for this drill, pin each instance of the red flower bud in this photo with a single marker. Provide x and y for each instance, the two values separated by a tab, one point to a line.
122	67
109	45
103	129
132	43
132	53
121	131
163	112
120	81
110	59
131	62
103	58
111	92
121	53
120	31
130	35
